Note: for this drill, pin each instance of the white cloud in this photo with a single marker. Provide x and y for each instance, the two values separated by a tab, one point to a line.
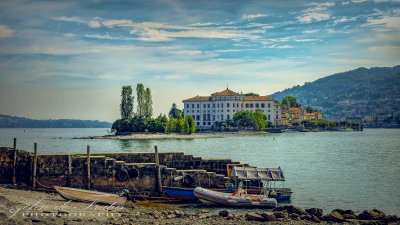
252	16
5	31
385	23
310	31
94	24
344	19
358	1
317	12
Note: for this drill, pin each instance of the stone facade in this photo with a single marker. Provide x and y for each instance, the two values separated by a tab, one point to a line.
221	106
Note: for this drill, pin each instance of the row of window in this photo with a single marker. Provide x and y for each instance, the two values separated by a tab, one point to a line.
234	105
204	111
207	117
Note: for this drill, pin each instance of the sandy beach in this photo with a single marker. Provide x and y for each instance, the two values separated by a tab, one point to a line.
151	136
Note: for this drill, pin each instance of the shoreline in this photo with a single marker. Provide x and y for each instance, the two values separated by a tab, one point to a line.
150	136
19	206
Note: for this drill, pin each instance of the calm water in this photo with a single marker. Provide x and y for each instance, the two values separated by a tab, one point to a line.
350	170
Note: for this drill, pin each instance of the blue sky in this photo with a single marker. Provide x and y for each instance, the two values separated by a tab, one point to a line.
69	59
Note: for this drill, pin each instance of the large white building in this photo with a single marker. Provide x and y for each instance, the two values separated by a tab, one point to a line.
221	106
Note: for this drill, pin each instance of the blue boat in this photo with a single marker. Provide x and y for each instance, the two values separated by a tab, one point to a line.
180	193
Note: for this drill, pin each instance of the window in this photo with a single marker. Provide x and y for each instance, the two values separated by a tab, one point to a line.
227	110
187	105
227	105
213	105
228	117
213	117
269	117
209	123
192	105
222	110
208	117
262	105
217	116
237	105
276	112
257	105
204	111
204	123
277	117
251	105
204	117
222	116
217	105
208	106
222	105
241	105
197	117
204	105
269	105
198	111
198	123
247	105
233	110
198	105
192	111
187	111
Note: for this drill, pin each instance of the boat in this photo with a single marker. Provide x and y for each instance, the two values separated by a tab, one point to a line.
82	195
185	194
237	199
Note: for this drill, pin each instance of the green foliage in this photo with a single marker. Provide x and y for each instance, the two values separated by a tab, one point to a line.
126	106
162	118
309	109
251	94
171	124
292	101
296	123
139	124
191	124
148	104
258	120
180	125
141	95
243	118
175	112
186	127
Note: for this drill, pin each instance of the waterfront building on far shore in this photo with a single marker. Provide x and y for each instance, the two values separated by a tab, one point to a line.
221	106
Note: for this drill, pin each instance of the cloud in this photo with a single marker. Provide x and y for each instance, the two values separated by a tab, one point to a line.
318	12
344	19
6	32
310	31
384	23
252	16
358	1
91	23
94	24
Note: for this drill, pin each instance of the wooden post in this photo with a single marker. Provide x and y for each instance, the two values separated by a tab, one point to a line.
88	167
34	166
158	175
14	177
69	170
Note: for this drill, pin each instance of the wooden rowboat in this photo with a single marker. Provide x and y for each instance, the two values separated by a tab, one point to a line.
82	195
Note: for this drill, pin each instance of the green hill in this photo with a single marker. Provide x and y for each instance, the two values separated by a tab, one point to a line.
22	122
352	95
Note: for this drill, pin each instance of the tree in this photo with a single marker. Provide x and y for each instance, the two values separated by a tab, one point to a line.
180	125
258	120
162	118
126	106
309	109
186	126
140	92
175	112
192	126
292	101
171	124
148	104
243	118
251	94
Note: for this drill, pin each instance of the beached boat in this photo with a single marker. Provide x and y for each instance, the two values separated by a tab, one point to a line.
82	195
237	199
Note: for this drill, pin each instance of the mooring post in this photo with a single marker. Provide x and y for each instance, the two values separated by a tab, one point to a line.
14	177
158	175
69	170
88	167
34	166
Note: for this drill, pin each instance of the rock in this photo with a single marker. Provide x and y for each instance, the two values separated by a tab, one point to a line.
290	209
294	215
340	211
157	214
349	211
269	216
179	214
311	218
333	216
349	216
375	214
392	218
315	211
230	216
171	216
281	214
204	211
224	213
254	217
204	215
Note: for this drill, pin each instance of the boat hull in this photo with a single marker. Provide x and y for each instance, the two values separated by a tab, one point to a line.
228	199
82	195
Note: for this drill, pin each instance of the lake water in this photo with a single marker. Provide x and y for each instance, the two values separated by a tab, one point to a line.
349	170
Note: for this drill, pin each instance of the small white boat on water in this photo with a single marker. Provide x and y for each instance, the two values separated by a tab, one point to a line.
83	195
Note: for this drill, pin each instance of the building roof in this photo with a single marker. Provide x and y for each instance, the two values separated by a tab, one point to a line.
257	98
227	92
198	98
276	103
294	109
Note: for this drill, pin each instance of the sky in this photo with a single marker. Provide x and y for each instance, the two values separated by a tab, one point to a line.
69	59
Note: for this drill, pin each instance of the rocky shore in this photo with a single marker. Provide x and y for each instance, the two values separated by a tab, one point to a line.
150	136
28	207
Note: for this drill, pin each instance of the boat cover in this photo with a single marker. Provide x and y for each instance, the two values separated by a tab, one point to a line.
250	173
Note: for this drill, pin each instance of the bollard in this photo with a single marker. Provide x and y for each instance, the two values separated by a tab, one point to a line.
158	174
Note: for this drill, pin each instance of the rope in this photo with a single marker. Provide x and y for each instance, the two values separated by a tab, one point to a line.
130	182
43	185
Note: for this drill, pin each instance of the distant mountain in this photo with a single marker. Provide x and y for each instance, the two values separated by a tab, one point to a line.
22	122
351	95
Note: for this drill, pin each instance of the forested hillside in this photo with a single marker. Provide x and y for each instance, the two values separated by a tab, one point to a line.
22	122
351	95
